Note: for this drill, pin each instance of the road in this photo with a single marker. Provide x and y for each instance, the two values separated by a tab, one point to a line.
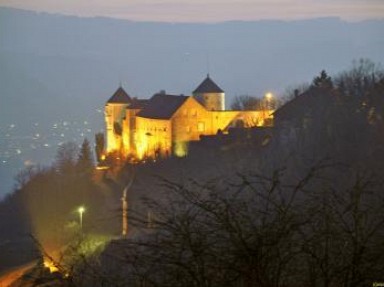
9	277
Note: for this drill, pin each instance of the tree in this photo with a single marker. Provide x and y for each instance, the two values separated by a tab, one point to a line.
360	78
66	158
294	91
323	80
85	159
100	144
246	103
117	128
321	227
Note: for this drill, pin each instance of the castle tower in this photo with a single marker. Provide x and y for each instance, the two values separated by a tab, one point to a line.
209	94
114	114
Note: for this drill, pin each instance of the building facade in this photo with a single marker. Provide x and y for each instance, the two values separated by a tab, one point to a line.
164	125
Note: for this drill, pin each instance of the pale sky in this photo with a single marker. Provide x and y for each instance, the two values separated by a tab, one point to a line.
208	10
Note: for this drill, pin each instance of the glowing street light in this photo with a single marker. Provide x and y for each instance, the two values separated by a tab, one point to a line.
269	99
81	210
269	96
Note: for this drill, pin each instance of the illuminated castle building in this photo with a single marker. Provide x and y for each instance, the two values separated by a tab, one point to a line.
165	124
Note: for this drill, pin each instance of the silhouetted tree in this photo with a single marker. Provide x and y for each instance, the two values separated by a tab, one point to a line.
246	103
358	80
66	157
117	128
85	162
100	145
294	91
323	80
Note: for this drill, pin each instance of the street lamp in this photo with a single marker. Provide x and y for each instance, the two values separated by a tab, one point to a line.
81	210
124	201
269	98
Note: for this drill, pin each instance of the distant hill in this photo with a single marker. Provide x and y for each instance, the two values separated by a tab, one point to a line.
73	64
58	67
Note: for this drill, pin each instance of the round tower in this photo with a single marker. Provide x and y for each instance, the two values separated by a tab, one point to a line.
114	115
210	95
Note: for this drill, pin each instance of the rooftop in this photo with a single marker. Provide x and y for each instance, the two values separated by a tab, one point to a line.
162	106
120	97
208	86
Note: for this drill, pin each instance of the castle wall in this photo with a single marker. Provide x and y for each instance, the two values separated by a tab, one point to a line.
143	137
129	132
114	114
153	138
188	123
211	101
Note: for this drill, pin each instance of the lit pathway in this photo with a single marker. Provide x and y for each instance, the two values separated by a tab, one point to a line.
6	279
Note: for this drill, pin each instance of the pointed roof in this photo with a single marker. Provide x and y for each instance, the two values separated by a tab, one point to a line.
208	86
162	106
120	97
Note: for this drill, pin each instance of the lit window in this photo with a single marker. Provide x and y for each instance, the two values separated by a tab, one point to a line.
200	126
188	129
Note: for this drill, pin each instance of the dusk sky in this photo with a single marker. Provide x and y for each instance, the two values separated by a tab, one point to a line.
208	10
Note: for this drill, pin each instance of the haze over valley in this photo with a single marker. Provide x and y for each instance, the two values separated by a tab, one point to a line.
56	72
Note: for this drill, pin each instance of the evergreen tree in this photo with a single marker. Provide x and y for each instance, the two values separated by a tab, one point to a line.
323	81
85	160
65	162
100	144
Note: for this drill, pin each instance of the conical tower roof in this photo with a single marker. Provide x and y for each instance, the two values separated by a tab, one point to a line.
208	86
120	97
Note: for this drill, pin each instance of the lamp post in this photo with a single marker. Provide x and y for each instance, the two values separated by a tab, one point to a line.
124	201
81	210
125	212
269	98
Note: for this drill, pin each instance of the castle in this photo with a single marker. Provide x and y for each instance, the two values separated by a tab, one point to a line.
165	124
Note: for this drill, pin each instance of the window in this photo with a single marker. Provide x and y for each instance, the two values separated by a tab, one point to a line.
188	129
200	126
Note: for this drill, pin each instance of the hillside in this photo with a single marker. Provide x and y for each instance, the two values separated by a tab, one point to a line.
56	69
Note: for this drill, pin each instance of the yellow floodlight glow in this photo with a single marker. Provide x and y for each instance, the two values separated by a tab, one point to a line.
269	96
50	265
181	149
